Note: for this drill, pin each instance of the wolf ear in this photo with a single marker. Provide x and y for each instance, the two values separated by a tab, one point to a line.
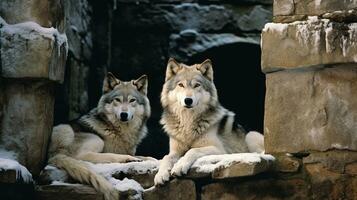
206	69
172	68
141	84
110	81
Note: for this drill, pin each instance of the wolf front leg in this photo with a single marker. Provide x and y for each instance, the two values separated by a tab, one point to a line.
177	149
184	164
106	157
163	175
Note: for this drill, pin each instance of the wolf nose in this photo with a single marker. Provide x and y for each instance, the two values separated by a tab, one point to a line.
124	116
188	101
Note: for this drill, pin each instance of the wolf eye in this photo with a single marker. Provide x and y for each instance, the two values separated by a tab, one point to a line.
181	85
132	100
197	85
117	99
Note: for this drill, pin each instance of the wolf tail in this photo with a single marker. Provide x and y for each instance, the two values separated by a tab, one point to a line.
81	172
255	142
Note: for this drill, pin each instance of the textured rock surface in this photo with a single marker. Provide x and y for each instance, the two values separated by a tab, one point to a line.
313	7
231	165
326	184
310	43
72	98
256	189
31	51
283	7
8	176
27	121
175	189
190	43
286	163
68	192
333	160
47	13
312	109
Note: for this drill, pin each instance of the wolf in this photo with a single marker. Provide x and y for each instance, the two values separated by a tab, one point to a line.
108	133
196	123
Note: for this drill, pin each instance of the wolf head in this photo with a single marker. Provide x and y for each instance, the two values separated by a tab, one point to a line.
189	88
123	101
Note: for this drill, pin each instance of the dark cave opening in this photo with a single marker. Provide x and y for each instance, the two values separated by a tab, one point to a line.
240	84
239	81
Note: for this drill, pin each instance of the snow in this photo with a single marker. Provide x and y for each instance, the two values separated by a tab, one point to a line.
21	172
108	169
208	164
65	184
126	185
276	27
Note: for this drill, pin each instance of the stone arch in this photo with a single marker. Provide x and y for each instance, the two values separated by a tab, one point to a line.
237	70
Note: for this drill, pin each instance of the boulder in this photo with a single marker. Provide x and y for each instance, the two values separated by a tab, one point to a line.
308	43
311	109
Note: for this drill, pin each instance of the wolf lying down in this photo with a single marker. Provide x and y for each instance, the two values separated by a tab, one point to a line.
196	122
108	133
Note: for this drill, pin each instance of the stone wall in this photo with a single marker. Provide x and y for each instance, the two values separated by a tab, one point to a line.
309	57
33	52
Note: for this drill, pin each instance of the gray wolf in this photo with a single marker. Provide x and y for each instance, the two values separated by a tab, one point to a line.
195	121
108	133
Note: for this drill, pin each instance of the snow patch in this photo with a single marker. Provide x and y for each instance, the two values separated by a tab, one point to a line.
21	172
126	185
207	164
108	169
65	184
276	27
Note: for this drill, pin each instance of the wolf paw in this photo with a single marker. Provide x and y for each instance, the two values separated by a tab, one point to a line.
161	177
180	168
125	159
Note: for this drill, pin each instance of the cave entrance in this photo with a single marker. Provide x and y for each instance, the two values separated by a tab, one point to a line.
239	81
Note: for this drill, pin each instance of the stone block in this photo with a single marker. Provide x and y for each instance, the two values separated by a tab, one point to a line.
231	165
31	51
68	192
175	189
256	189
313	7
27	121
302	44
311	110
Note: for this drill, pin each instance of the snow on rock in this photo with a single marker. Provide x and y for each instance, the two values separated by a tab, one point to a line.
31	29
208	164
108	169
126	185
66	184
21	172
29	50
